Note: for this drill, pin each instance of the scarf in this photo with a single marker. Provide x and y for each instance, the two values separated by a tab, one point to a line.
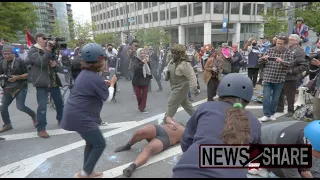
145	69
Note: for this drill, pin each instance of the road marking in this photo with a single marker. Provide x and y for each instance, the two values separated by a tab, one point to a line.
62	131
25	171
19	165
115	172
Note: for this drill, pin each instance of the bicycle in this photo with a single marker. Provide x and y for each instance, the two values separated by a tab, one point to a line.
64	90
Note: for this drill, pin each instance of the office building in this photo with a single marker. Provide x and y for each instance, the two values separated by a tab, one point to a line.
70	21
197	22
62	16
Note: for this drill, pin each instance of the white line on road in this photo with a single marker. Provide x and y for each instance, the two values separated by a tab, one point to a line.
62	131
20	165
115	172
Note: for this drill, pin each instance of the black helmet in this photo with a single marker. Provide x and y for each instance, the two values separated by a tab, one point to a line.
237	85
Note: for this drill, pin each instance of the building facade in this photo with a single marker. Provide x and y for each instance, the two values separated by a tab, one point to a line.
62	16
188	22
70	21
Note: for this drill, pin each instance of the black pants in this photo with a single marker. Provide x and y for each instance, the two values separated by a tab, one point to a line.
235	69
115	90
212	87
253	75
289	90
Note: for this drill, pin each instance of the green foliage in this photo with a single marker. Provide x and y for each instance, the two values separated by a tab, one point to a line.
311	15
105	38
82	32
275	22
15	16
155	37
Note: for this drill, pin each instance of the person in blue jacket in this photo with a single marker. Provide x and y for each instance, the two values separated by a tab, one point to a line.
219	122
82	109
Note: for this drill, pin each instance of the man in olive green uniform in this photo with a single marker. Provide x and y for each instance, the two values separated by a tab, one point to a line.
181	76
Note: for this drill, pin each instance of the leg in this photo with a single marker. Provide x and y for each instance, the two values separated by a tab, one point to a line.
316	105
57	99
42	98
254	76
138	93
20	102
6	101
250	74
149	87
198	84
289	89
147	132
154	147
280	106
277	88
266	103
210	87
96	144
187	106
174	102
144	97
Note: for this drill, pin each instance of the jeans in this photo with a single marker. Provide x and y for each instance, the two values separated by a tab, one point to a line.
271	95
20	102
42	98
95	144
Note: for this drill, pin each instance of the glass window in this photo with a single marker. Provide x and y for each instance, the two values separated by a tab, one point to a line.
132	9
112	24
146	18
140	19
103	5
127	9
121	23
208	7
108	14
260	9
190	9
139	5
154	4
99	6
174	13
105	26
218	7
246	8
104	15
168	14
111	13
145	5
109	25
235	7
101	26
117	12
162	15
254	8
197	8
162	3
121	10
118	23
183	11
155	16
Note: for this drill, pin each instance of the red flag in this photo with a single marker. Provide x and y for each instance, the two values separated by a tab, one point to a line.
29	38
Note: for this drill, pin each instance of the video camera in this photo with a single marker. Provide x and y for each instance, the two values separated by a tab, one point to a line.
60	42
4	77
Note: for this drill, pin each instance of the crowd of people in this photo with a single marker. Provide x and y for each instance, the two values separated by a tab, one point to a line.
93	70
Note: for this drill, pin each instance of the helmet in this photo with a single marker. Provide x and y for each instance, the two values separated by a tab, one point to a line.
90	52
237	85
299	19
312	133
181	49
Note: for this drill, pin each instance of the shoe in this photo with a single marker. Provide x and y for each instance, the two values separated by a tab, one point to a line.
145	112
59	123
264	119
273	118
2	139
114	100
104	123
289	114
43	134
118	90
261	172
159	90
6	128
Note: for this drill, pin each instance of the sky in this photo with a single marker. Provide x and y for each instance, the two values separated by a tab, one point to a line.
81	11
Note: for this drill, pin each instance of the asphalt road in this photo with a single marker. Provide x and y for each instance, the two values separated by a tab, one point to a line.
23	154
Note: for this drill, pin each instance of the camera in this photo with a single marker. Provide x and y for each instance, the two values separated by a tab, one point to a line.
4	77
60	42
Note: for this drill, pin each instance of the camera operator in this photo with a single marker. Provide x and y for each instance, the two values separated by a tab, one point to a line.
14	77
112	64
44	68
316	101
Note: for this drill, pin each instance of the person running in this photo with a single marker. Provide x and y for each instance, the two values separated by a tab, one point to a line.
160	138
83	106
224	121
293	132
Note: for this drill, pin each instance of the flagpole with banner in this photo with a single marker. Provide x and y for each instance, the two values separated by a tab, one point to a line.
29	38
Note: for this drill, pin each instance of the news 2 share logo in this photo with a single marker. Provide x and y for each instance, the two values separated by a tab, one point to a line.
250	156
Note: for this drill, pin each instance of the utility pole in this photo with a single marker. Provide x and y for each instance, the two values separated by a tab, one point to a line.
291	17
228	22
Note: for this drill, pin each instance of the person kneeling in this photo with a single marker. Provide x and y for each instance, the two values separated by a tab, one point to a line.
160	138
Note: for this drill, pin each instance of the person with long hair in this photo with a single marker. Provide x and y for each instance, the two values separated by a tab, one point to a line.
141	78
213	74
224	122
83	106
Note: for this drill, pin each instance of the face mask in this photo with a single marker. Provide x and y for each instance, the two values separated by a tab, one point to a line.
109	49
254	44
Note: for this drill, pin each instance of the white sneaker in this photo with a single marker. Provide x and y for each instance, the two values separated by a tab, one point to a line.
261	172
273	117
264	119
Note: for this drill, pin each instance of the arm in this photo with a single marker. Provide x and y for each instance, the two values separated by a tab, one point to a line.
102	90
207	65
23	67
137	67
35	59
189	132
289	59
246	45
236	58
187	71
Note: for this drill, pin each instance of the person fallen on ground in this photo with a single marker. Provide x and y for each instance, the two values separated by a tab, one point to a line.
224	121
84	104
160	138
293	132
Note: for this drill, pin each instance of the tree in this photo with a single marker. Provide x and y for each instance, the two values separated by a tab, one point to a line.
311	15
105	38
59	29
275	22
83	33
155	37
15	16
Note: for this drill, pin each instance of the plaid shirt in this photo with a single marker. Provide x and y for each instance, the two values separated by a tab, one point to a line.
273	71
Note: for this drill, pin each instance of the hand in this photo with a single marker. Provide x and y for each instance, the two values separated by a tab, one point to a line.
144	60
114	79
13	79
53	64
279	60
214	69
306	174
51	44
107	82
315	62
265	57
250	39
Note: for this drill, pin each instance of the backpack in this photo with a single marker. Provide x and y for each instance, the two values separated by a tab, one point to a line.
303	113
